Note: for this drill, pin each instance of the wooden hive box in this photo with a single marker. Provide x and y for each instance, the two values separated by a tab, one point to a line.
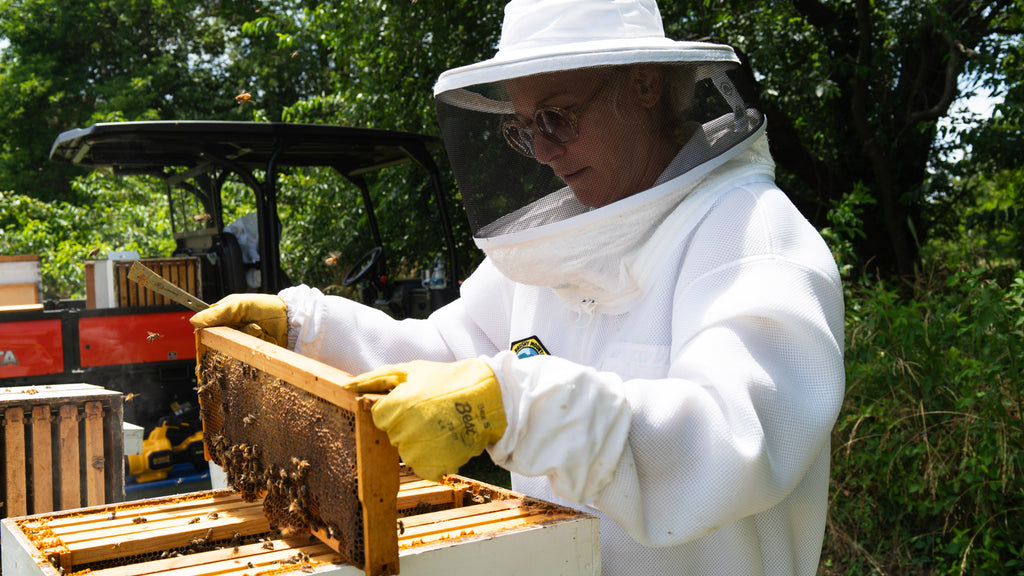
107	284
20	283
63	448
459	526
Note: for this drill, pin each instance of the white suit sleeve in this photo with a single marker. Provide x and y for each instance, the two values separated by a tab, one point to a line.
357	338
565	421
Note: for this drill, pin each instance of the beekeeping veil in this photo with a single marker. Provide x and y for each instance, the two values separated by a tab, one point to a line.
582	58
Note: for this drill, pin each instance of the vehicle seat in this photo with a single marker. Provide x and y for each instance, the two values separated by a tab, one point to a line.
232	269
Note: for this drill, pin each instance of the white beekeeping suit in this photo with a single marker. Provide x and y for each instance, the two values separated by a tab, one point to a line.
665	327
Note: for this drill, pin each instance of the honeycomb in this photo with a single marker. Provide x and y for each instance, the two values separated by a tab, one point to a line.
281	443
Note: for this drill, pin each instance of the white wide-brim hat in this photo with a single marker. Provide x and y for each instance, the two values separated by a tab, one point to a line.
540	36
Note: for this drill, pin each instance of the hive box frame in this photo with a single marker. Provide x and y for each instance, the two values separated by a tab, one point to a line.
377	460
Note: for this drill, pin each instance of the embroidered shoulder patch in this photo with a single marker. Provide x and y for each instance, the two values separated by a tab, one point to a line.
529	347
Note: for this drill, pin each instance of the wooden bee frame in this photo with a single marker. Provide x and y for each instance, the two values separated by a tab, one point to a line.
377	460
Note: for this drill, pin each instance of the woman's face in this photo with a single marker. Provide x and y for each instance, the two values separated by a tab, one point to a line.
619	151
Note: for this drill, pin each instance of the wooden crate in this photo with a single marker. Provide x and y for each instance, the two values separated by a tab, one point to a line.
182	272
457	527
63	447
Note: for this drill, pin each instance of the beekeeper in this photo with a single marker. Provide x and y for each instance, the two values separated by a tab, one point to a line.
656	334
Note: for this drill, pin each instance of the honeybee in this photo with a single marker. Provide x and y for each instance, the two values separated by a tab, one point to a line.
243	98
131	396
151	336
333	259
201	217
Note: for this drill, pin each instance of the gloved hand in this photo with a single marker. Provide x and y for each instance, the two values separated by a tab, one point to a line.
438	414
262	315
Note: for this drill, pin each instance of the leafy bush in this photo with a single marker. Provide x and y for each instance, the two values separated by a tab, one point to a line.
117	214
927	454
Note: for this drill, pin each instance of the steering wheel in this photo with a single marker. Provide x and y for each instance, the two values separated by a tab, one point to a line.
362	268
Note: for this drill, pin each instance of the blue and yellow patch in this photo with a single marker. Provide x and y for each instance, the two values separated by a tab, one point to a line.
528	347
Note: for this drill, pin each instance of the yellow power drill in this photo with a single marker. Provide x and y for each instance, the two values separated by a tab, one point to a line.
173	441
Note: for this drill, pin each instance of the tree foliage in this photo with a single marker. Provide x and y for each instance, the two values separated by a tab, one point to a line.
73	63
854	90
112	214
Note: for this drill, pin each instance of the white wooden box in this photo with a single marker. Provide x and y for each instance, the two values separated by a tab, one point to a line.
20	281
506	535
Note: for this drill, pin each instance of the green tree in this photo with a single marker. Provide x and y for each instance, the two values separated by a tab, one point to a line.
380	62
381	59
854	90
73	63
994	169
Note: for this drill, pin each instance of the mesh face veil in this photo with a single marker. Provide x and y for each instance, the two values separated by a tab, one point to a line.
533	148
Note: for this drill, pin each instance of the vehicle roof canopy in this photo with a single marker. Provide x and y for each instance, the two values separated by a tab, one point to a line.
149	147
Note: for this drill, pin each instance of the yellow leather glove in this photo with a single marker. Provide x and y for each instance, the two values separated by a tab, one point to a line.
438	414
262	315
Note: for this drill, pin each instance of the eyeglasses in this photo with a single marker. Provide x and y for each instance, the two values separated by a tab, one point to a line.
558	125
